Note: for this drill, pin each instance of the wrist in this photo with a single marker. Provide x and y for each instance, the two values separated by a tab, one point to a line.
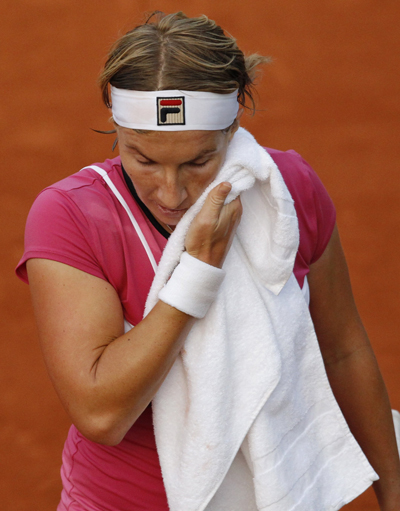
192	286
206	255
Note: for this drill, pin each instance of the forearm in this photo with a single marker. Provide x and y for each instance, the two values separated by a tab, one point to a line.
361	394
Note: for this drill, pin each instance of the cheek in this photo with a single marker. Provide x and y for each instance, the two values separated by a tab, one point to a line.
144	186
140	176
198	183
143	182
215	168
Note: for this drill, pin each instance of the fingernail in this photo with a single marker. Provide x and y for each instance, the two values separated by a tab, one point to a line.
226	187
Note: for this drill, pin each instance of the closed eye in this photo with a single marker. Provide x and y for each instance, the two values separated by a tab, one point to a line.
202	164
147	162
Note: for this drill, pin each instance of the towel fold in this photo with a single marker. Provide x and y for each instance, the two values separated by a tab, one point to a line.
251	372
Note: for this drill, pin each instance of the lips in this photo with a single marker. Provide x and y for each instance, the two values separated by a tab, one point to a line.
172	213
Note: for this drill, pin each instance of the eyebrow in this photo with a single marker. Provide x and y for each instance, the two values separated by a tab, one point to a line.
137	150
202	153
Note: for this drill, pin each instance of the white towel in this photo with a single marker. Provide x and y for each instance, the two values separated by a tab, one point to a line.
396	420
251	371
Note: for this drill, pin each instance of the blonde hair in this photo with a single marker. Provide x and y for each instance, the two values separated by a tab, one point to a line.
176	52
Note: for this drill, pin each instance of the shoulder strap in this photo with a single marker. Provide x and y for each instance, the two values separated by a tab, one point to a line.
138	230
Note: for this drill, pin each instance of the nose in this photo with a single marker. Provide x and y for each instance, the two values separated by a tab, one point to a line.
171	193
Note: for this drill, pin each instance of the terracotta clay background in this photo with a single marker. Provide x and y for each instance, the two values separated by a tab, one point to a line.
332	93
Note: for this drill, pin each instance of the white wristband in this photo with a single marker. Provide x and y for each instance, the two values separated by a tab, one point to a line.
193	286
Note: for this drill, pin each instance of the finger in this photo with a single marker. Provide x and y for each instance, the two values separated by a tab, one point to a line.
235	203
216	198
230	215
234	207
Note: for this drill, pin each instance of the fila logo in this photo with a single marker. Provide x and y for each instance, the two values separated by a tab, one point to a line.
170	111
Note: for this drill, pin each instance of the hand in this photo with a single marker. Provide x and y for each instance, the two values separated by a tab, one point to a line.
211	233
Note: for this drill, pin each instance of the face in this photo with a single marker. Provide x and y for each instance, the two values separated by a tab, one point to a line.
171	169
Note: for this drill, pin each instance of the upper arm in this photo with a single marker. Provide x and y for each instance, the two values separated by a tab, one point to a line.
77	315
337	323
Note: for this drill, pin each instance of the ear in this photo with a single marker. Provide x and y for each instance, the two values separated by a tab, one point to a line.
240	113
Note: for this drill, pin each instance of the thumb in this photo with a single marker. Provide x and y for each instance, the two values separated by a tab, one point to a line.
218	195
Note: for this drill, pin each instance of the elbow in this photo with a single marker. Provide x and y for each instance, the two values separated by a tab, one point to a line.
102	437
104	430
102	420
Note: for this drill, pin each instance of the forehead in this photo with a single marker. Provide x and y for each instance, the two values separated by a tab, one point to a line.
183	144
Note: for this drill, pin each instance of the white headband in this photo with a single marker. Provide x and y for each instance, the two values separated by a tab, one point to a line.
173	110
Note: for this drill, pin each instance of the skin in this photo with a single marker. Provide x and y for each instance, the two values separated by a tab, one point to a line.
170	172
105	378
353	371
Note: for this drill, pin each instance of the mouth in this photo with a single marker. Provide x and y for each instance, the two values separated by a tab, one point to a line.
172	213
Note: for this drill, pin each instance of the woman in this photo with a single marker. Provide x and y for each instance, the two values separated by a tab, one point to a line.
89	268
